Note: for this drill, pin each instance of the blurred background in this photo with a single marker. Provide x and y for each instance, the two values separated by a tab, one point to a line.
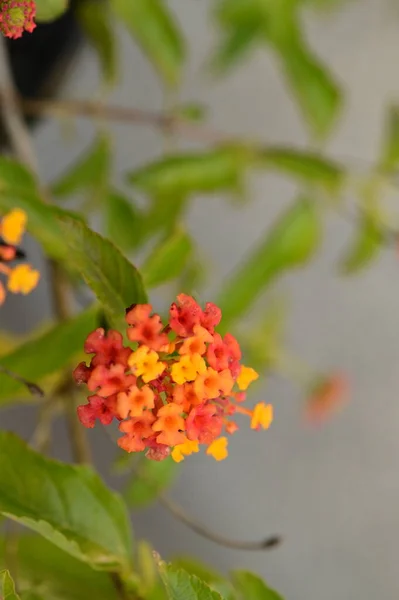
332	492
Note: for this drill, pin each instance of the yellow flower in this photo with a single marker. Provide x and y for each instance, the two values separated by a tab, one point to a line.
145	362
13	226
187	368
262	416
22	279
185	449
247	375
218	448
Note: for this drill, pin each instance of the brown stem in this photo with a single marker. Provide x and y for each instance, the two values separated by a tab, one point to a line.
78	439
90	109
177	511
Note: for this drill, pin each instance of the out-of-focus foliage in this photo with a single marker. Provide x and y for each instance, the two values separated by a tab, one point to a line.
82	546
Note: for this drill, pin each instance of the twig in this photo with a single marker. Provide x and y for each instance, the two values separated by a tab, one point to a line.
34	389
265	544
90	109
11	113
61	298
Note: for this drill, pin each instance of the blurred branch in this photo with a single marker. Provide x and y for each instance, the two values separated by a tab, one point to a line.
12	115
264	544
90	109
34	389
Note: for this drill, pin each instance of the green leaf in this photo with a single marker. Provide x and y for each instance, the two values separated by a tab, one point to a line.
164	213
150	479
156	31
288	245
96	22
46	572
261	345
124	223
15	177
18	189
89	173
197	568
205	573
389	160
7	587
182	586
115	281
316	92
190	112
194	172
236	45
307	167
168	259
49	10
251	586
150	585
68	505
365	246
46	354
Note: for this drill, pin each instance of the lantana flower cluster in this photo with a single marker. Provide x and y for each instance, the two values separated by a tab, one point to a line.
175	387
20	278
17	16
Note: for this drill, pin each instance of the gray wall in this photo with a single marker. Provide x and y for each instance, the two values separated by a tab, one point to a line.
333	493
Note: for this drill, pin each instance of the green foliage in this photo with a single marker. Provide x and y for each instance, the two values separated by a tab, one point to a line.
68	505
18	189
207	574
15	178
52	574
48	10
46	354
124	223
149	480
7	587
251	586
168	259
221	169
307	167
247	24
288	245
389	160
365	246
115	281
183	586
156	31
262	343
90	173
95	19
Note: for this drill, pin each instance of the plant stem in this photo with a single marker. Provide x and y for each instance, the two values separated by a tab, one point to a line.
177	511
12	116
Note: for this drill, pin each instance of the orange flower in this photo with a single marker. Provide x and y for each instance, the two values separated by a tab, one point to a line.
262	416
211	383
231	427
327	397
134	401
218	448
169	423
137	430
22	279
145	362
246	377
12	226
184	449
197	343
186	396
187	368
